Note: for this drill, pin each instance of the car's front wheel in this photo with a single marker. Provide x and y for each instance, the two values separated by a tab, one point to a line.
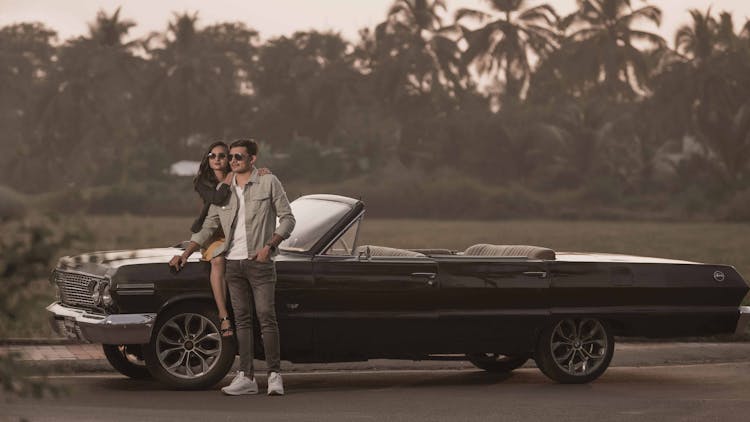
575	350
496	362
187	350
127	359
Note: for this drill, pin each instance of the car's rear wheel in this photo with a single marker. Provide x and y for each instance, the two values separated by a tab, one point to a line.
575	350
187	350
496	362
127	359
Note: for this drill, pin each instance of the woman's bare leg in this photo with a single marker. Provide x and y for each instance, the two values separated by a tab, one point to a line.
219	288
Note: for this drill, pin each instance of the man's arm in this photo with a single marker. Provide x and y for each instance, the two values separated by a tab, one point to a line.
210	224
286	220
283	212
178	261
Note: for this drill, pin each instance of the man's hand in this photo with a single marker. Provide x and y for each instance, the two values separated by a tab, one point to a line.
263	254
177	262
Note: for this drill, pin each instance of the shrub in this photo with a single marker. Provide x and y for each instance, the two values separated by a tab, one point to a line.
67	201
512	201
27	250
738	207
12	204
172	197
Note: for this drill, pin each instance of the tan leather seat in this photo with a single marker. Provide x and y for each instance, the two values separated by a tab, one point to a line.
531	252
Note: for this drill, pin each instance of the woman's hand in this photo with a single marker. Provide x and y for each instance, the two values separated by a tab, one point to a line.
228	178
264	171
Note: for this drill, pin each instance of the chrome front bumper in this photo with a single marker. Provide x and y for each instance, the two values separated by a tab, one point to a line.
744	320
96	328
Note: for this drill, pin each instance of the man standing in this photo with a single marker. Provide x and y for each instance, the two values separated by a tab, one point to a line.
249	219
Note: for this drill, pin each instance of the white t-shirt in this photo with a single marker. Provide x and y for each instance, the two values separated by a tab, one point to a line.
238	245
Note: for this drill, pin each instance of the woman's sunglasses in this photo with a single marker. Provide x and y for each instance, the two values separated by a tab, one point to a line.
219	156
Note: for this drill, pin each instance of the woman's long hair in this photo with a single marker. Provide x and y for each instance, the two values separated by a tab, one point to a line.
205	172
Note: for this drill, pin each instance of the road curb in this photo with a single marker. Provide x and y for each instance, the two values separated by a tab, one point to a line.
69	366
38	341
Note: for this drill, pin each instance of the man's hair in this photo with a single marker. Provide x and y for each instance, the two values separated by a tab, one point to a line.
250	145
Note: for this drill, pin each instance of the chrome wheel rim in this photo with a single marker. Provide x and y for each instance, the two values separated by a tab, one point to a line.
188	346
579	346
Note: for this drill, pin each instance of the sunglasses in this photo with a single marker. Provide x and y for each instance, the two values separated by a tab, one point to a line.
219	156
238	157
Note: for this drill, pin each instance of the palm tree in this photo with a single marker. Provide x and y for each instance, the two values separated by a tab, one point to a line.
199	75
301	82
708	89
26	60
414	52
93	101
508	39
109	30
601	38
697	41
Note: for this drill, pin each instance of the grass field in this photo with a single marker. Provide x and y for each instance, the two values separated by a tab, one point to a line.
720	243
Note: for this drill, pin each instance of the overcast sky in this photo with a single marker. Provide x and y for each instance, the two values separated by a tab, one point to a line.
282	17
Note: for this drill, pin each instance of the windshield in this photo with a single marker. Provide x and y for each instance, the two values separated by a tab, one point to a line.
315	217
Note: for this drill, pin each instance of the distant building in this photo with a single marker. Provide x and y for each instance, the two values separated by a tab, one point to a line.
184	168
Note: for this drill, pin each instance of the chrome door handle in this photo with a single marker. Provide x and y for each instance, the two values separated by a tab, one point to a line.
430	276
539	274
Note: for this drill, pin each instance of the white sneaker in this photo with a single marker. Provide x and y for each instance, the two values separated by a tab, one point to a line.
241	385
275	384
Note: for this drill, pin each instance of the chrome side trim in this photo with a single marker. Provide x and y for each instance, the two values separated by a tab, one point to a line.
743	321
135	292
136	286
643	310
97	328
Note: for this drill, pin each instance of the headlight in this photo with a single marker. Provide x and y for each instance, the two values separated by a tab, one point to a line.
106	296
100	293
95	295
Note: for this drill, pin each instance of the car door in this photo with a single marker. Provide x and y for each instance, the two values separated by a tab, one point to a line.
374	306
293	286
492	304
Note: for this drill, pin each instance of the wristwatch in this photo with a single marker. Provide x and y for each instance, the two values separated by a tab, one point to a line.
273	248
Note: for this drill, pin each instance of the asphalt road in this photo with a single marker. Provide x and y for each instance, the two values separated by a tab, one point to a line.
697	392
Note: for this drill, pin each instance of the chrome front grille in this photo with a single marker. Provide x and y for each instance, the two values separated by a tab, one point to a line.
75	288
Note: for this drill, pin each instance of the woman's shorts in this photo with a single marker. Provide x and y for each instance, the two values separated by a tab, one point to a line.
216	241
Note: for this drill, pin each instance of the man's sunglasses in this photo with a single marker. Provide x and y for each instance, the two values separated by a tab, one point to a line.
238	157
220	156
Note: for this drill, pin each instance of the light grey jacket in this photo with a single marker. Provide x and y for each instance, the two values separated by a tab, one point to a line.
265	200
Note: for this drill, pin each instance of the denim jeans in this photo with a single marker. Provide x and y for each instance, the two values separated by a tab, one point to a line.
254	283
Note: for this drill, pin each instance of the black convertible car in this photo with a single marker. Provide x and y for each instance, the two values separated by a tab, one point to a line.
495	305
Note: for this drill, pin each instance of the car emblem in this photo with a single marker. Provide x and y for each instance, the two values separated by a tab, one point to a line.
719	276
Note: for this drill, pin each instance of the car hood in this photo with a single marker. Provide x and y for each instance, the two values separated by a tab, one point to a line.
103	262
